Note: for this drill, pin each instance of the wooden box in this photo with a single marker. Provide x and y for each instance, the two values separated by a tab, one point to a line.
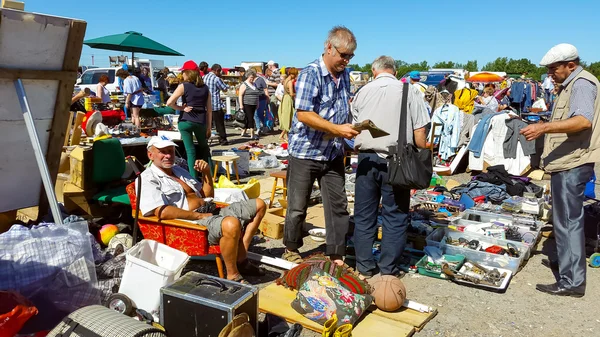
271	225
81	167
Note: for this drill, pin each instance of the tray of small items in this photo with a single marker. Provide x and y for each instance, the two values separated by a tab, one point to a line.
480	276
431	269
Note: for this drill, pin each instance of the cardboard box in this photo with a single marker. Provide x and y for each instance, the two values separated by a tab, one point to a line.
10	4
61	180
81	167
271	225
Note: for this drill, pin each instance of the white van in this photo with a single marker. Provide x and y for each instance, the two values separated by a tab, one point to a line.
89	78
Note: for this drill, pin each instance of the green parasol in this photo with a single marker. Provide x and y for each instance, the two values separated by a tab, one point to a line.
133	42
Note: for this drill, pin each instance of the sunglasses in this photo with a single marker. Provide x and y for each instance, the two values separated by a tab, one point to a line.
345	56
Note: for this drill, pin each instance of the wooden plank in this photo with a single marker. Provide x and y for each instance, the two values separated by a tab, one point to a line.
68	132
405	315
63	102
76	138
373	325
28	74
276	300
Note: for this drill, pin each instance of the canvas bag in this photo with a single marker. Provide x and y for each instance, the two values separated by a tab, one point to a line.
99	321
408	166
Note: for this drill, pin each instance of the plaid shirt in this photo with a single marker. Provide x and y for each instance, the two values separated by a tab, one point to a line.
317	91
215	85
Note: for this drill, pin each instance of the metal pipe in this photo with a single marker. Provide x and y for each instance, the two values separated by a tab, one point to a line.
39	153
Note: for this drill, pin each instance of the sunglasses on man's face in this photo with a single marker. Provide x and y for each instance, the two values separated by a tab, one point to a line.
345	56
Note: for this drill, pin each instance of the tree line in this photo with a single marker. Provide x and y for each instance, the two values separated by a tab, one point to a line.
504	64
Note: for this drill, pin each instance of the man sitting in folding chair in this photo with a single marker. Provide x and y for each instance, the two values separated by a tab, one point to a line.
170	192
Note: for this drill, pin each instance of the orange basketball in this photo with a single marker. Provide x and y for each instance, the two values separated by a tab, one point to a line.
389	292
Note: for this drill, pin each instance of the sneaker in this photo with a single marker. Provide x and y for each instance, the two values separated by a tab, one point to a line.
256	137
224	142
292	256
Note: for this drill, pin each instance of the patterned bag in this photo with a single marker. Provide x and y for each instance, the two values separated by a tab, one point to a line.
321	296
344	274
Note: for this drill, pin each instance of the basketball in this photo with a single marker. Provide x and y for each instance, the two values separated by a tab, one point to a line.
389	292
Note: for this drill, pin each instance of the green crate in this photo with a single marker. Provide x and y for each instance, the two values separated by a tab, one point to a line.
459	259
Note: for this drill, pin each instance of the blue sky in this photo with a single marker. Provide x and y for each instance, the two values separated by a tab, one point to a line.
292	32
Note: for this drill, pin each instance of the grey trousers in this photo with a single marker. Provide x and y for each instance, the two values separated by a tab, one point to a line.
567	214
301	175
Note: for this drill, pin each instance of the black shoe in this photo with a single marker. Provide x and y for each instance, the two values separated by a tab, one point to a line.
224	142
558	290
550	264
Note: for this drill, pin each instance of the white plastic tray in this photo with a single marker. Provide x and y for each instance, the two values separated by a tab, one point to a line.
502	286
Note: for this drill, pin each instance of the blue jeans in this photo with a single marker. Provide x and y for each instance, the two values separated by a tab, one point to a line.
371	186
259	115
481	131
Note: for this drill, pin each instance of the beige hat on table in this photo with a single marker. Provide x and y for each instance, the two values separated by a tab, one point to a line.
560	53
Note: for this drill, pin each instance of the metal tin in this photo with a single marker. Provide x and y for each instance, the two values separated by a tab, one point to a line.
201	305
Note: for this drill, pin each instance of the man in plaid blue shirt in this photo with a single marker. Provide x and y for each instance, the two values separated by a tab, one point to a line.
215	85
316	145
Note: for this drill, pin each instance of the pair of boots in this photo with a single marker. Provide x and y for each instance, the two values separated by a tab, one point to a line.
238	327
330	330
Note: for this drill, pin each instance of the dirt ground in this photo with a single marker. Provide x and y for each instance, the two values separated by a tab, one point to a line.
465	311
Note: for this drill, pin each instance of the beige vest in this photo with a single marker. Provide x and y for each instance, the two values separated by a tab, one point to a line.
564	151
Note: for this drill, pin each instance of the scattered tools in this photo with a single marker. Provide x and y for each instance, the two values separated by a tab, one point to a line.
477	274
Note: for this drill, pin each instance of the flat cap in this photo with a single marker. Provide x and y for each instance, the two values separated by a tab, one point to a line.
560	53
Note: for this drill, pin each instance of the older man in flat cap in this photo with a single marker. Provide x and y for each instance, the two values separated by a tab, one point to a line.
571	146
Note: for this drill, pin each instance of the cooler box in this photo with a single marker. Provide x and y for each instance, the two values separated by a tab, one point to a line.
199	305
149	266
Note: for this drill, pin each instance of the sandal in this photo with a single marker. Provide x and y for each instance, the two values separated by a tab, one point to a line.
249	269
292	256
240	279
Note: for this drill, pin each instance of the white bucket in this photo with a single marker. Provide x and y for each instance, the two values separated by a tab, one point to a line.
149	266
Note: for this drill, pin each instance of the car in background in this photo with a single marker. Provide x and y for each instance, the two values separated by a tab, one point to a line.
431	77
90	78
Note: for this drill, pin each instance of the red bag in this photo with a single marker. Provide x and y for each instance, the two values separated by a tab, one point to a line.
15	310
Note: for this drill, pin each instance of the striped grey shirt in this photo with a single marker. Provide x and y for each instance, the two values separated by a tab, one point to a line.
251	94
583	96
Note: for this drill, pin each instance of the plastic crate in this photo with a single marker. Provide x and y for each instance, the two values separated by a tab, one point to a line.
485	258
421	265
149	266
531	236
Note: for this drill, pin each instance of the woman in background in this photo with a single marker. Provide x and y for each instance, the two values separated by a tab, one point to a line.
248	97
286	110
101	90
196	114
134	99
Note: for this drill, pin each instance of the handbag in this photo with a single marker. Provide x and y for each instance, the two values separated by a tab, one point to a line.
240	116
408	166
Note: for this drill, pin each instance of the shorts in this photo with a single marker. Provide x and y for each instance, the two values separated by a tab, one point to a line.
135	106
242	210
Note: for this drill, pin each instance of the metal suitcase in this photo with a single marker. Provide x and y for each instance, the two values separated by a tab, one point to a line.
199	305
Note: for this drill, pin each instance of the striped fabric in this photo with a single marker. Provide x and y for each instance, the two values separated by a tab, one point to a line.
96	320
295	277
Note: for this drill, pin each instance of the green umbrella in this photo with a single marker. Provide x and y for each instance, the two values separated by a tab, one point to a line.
132	42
